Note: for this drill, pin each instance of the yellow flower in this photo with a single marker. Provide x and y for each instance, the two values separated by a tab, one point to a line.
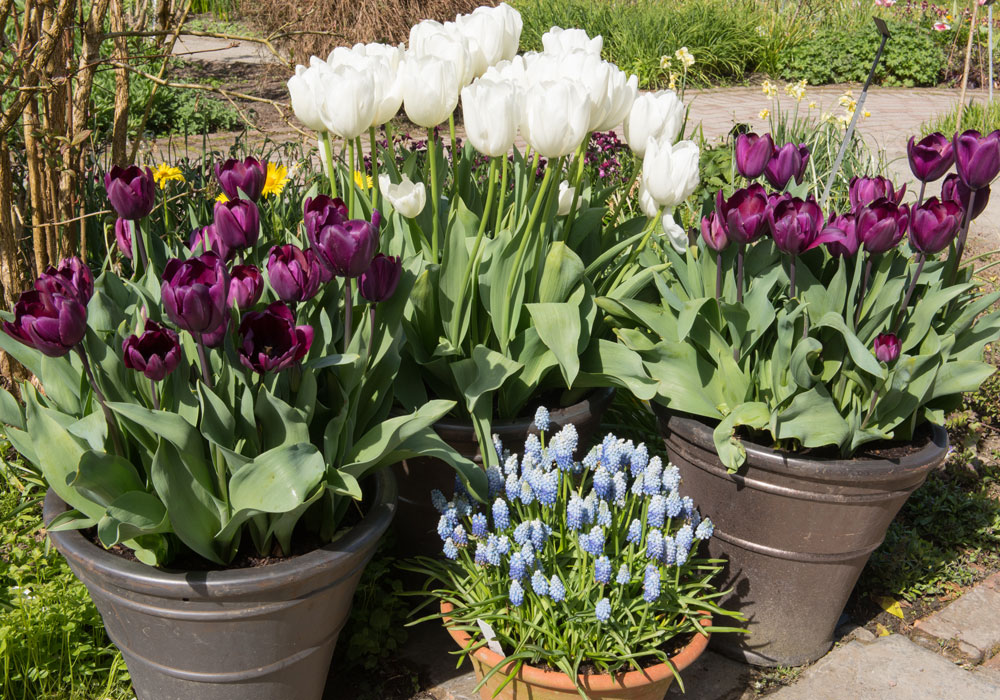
363	180
846	99
813	105
764	113
222	197
672	85
664	62
165	173
796	90
866	114
684	56
769	88
277	176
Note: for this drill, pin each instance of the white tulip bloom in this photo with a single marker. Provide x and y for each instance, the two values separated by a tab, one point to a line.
382	63
430	88
491	110
559	40
555	116
566	199
654	115
407	198
621	94
305	89
647	204
484	33
670	172
347	107
513	24
588	70
445	41
675	234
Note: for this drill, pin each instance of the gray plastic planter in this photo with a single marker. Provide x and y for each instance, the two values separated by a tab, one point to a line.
796	532
263	633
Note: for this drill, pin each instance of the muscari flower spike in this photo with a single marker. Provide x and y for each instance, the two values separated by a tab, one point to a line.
479	525
674	504
634	532
657	513
501	516
458	535
516	593
494	480
603	514
557	591
438	500
639	460
539	584
651	584
669	551
603	610
602	570
574	513
619	486
542	419
704	530
623	575
671	478
450	550
654	545
517	566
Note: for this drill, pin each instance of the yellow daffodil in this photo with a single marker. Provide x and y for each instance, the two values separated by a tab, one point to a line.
769	88
866	114
672	85
796	90
813	105
277	176
165	173
664	62
846	99
764	113
363	180
684	56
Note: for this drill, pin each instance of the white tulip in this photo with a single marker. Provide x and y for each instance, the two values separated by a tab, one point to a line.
445	41
387	52
647	204
485	35
382	63
566	199
305	89
513	72
588	70
406	197
656	115
491	110
559	40
513	24
347	107
555	116
430	89
621	94
670	172
675	234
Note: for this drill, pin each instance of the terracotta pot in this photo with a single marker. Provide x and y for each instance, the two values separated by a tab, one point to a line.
532	683
415	525
264	633
796	532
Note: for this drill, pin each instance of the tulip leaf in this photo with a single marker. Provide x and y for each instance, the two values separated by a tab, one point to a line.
806	352
813	419
278	480
558	326
388	435
481	375
103	477
960	377
62	383
93	428
280	423
731	451
217	423
132	515
529	350
11	412
608	363
684	378
862	356
563	273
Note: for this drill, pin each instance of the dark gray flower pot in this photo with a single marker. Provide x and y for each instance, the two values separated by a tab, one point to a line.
263	633
796	533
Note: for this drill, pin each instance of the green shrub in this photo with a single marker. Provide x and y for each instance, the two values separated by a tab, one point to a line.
912	57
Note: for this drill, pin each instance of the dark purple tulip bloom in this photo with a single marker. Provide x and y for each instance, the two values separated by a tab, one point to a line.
847	245
248	175
865	190
379	281
217	338
50	323
246	284
237	223
130	191
195	291
156	353
954	190
323	211
295	274
935	225
882	225
270	341
208	238
123	236
72	278
797	225
752	154
887	347
347	249
787	162
977	158
714	233
930	157
743	214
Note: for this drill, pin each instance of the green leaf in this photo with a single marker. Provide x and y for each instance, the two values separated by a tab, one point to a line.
607	363
731	451
862	356
812	418
11	412
103	477
217	422
806	352
558	326
280	423
563	273
132	515
277	480
482	374
389	434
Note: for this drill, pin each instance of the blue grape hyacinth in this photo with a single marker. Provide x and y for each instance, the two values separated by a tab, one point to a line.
603	610
542	419
450	550
501	515
479	525
651	584
623	575
704	530
539	584
602	570
516	593
634	532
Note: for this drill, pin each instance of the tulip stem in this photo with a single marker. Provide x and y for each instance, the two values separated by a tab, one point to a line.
739	273
960	247
791	278
579	160
348	309
909	293
156	397
650	227
374	157
371	341
206	374
456	318
503	195
718	277
871	410
140	244
324	139
864	288
636	169
454	152
116	437
920	197
389	142
435	190
350	181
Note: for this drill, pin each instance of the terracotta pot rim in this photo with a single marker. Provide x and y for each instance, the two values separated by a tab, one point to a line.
594	682
142	578
699	431
599	397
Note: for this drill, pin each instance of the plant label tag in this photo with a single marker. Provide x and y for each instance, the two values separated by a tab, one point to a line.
491	637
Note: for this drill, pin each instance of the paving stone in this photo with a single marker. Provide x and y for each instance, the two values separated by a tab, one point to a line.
429	647
712	677
851	631
890	668
204	48
968	629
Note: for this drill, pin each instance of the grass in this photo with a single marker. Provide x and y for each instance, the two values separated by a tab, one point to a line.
979	115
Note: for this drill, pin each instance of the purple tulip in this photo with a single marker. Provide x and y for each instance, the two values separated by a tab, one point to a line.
887	347
323	211
217	338
954	190
130	191
752	154
847	245
930	157
50	323
379	281
714	233
347	249
743	214
156	353
248	175
208	238
882	225
270	341
935	225
787	162
797	225
865	190
194	293
123	236
72	278
295	274
237	223
977	158
246	284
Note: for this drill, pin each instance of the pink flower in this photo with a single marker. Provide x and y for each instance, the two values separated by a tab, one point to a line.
941	26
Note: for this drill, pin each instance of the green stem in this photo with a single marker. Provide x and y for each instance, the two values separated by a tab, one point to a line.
350	177
390	144
650	227
348	309
460	311
636	169
503	194
579	160
116	437
206	374
454	153
140	244
435	194
374	156
324	139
